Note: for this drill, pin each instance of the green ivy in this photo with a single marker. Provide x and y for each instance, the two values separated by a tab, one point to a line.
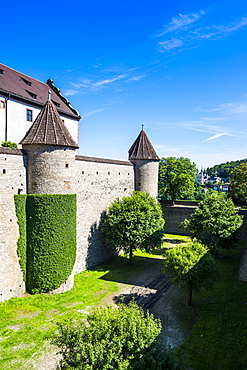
20	207
51	240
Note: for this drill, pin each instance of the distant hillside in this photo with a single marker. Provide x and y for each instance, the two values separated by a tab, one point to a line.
224	169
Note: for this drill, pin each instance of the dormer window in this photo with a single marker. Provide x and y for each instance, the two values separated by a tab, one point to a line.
56	104
28	83
1	71
34	96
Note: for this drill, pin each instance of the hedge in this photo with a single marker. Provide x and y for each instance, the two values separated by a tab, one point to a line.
51	240
20	208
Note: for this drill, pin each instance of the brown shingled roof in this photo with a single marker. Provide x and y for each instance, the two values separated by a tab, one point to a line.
27	89
142	148
49	129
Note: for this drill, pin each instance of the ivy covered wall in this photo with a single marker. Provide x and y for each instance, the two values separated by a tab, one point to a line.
50	239
20	208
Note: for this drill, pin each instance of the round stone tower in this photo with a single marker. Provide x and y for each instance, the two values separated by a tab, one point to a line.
146	165
51	154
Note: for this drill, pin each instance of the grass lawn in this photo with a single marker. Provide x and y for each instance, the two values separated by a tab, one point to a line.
216	325
218	340
27	323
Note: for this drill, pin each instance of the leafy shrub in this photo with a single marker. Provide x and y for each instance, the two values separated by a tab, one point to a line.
51	236
9	144
190	266
215	222
134	222
112	338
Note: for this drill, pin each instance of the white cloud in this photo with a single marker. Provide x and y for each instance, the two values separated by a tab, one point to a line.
70	92
216	32
96	85
88	84
215	136
191	36
170	44
181	22
135	78
93	112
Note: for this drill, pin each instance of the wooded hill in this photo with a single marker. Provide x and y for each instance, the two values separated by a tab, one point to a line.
224	170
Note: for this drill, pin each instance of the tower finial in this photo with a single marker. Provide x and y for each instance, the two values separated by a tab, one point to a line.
142	125
49	94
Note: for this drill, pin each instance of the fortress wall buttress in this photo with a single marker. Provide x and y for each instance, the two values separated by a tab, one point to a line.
98	183
12	181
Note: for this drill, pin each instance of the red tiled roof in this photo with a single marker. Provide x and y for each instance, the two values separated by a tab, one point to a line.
25	88
49	129
142	148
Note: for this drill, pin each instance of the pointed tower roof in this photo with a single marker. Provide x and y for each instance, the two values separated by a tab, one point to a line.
142	148
49	129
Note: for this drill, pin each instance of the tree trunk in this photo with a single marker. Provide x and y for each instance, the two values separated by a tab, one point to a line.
131	256
173	202
189	299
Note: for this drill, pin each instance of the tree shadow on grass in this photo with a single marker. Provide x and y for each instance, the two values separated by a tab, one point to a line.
142	272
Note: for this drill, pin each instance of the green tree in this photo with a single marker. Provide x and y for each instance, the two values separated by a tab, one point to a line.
134	222
176	177
238	184
224	170
9	144
215	222
190	266
112	338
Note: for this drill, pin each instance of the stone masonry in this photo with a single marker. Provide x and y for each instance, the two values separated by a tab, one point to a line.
11	281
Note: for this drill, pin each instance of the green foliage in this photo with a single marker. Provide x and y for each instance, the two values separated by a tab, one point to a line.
20	208
9	144
134	222
110	339
191	266
238	184
224	170
51	235
215	222
218	338
176	177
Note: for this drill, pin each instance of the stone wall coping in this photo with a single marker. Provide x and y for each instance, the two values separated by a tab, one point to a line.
15	151
102	160
178	206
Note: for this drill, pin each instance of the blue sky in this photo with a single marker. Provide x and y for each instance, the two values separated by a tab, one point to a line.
179	68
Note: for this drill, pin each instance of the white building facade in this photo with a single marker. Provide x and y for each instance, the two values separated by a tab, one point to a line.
22	98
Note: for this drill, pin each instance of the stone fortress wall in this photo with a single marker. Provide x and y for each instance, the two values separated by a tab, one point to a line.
97	183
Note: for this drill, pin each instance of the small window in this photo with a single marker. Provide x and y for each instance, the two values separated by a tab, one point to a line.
56	104
109	173
1	71
2	104
29	115
82	172
139	184
97	173
34	96
28	83
66	165
4	171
